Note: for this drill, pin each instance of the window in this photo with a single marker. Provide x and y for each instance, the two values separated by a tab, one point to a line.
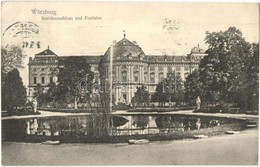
124	76
43	80
160	68
169	69
34	80
35	69
114	76
186	68
42	69
124	96
160	77
136	76
152	68
51	79
178	68
123	66
152	78
135	67
145	77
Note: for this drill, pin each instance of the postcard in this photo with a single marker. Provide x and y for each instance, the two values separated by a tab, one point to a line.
129	83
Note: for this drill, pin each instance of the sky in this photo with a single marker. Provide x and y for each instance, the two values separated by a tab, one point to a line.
157	27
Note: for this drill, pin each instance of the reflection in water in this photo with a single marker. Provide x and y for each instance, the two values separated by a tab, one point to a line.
119	121
140	121
97	125
14	130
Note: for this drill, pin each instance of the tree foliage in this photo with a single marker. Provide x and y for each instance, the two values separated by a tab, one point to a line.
11	58
192	87
39	94
71	71
142	96
229	73
170	89
13	91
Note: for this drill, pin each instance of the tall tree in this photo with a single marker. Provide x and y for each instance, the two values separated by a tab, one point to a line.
170	89
220	70
192	87
11	58
71	71
246	90
13	91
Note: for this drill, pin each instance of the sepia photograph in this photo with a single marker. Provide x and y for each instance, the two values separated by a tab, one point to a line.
129	83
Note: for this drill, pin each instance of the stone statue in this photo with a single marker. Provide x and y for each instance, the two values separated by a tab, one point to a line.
198	102
34	104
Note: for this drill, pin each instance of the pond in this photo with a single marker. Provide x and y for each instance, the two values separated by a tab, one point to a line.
112	128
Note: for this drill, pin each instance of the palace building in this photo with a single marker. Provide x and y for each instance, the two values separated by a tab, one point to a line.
131	68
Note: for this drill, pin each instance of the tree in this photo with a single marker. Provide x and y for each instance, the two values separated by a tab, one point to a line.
39	94
48	97
253	78
71	71
11	58
13	91
170	89
220	71
142	95
246	92
192	87
160	95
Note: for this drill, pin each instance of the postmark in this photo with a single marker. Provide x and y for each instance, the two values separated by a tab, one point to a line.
23	34
171	25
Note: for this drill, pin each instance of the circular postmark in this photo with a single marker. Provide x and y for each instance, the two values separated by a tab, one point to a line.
23	34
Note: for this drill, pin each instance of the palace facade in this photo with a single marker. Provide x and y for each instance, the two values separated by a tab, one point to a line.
131	68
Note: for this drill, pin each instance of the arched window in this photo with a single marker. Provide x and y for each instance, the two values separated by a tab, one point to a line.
136	76
42	78
114	75
124	76
160	68
169	69
135	67
152	68
152	77
160	76
123	66
145	77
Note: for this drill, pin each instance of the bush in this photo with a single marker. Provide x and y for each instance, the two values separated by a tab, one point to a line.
121	106
220	108
68	110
